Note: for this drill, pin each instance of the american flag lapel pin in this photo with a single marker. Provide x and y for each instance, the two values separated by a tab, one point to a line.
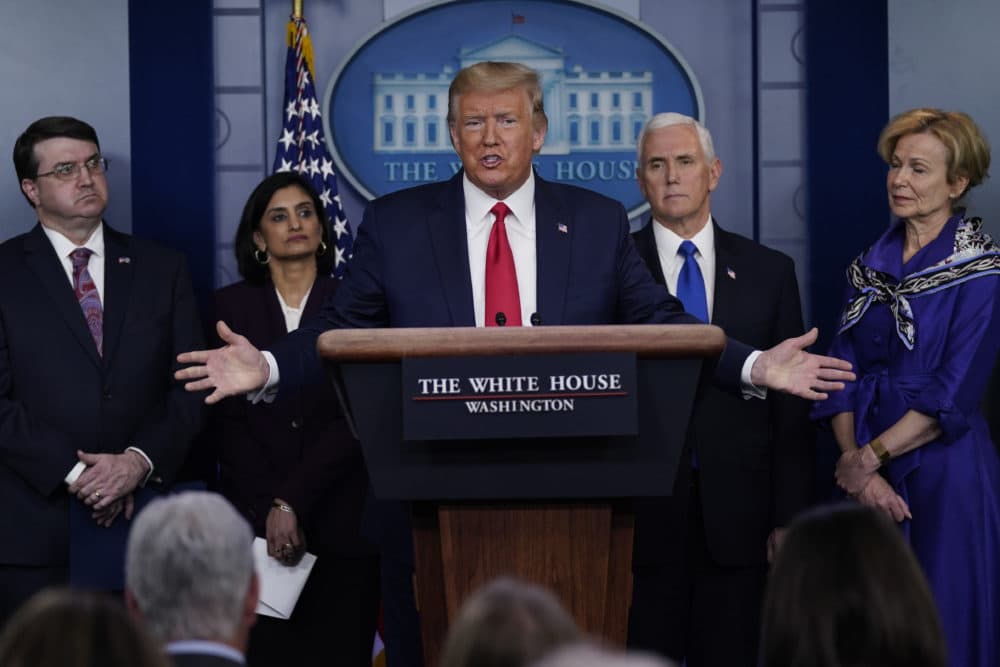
730	273
124	260
563	229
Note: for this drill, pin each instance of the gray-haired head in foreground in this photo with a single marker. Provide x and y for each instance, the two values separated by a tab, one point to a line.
590	655
669	119
189	566
507	623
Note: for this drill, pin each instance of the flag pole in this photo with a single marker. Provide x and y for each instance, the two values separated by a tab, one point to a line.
302	147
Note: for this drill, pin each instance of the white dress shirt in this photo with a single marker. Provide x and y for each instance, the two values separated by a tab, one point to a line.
204	647
293	316
520	224
95	266
667	245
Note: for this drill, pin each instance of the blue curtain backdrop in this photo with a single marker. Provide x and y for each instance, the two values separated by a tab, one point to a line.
173	136
173	132
847	104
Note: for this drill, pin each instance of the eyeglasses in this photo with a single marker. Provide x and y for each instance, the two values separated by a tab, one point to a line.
69	171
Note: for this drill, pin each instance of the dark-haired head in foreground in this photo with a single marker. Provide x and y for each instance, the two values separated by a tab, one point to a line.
846	591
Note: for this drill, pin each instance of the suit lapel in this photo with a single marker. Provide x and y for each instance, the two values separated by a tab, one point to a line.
119	274
41	259
317	297
645	243
554	231
449	243
273	323
726	301
726	298
323	288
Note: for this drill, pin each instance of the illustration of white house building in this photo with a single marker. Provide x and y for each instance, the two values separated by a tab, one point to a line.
587	111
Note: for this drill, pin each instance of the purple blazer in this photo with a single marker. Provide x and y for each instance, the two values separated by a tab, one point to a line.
298	448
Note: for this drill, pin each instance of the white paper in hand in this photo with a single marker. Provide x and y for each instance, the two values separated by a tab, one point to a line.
280	585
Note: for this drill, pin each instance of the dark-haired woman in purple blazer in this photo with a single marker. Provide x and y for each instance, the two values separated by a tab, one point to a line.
292	466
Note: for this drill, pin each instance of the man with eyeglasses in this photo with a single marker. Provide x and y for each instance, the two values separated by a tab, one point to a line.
91	320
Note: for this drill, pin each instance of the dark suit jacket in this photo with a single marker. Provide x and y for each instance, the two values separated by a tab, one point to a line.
298	448
411	269
201	660
755	457
57	395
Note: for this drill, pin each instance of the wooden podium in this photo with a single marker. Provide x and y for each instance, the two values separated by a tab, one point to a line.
554	511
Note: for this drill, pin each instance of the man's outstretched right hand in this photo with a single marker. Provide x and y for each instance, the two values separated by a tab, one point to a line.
235	368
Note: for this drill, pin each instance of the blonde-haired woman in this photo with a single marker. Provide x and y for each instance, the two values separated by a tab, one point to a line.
922	328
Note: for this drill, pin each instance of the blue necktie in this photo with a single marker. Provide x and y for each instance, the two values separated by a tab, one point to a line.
691	292
691	284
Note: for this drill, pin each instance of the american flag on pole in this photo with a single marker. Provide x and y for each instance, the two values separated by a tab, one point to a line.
302	146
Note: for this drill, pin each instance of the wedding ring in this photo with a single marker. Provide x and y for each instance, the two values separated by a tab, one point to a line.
97	494
288	546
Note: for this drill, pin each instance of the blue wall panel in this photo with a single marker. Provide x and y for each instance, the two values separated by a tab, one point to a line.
173	131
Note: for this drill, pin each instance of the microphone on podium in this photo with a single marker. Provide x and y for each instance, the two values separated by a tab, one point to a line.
536	319
500	319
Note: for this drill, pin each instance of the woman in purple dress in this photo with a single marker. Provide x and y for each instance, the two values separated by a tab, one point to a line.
922	328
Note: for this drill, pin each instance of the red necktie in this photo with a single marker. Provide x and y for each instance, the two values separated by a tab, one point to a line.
86	294
503	303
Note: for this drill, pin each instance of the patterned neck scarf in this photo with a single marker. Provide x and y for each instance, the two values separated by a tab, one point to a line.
974	255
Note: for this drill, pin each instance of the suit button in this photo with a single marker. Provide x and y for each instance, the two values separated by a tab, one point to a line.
295	423
107	395
876	339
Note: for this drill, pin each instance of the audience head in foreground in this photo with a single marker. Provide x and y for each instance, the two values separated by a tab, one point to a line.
846	591
71	628
507	623
189	572
589	655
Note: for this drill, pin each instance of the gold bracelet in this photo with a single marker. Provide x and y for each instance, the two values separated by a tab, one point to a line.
283	507
880	451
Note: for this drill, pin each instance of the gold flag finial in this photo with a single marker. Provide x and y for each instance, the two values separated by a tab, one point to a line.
296	9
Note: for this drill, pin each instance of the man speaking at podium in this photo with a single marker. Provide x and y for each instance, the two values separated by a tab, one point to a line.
496	245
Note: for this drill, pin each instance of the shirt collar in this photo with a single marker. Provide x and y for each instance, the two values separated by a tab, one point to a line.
521	203
668	242
205	647
302	305
63	246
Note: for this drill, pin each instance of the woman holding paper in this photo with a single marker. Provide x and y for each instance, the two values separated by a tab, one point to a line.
292	466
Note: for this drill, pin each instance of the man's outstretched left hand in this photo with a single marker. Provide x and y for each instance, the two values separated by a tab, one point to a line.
788	368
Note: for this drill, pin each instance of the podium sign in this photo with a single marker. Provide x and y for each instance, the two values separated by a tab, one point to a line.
551	508
519	396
